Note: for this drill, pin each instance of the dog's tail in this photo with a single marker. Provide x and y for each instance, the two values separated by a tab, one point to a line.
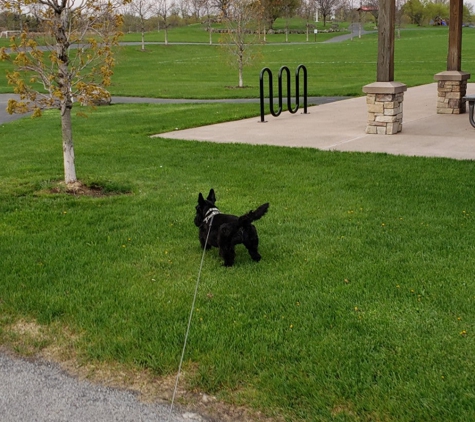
228	230
251	216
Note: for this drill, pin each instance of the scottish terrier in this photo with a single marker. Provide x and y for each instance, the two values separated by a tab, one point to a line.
225	230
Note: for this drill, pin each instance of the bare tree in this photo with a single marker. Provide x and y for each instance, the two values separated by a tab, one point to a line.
223	7
326	8
88	26
207	5
307	11
163	9
195	7
142	9
240	36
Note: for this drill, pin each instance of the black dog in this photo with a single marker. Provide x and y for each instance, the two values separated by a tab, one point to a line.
227	230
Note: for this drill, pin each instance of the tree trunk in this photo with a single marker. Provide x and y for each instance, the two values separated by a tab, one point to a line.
66	102
143	35
68	146
241	83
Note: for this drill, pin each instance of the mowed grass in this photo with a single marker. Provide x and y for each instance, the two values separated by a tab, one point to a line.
362	307
206	71
198	33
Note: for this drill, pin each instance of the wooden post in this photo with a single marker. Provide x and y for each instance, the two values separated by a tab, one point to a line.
387	16
454	56
385	97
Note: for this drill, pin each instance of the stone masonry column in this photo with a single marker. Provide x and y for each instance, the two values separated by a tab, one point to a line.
384	101
451	88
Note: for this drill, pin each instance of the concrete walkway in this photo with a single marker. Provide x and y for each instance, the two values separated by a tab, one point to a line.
340	126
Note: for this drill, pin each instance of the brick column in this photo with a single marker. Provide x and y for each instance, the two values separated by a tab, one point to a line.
384	101
451	88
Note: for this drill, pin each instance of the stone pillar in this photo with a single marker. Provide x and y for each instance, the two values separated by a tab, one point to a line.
451	88
384	101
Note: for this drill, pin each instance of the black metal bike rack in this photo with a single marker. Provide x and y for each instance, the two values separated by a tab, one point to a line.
271	93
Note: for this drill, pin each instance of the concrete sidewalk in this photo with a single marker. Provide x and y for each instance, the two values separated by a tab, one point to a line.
341	126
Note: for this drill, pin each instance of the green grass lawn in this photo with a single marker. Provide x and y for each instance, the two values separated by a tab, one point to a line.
204	71
333	69
362	307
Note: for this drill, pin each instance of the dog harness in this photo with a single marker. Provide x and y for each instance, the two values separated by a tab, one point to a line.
210	214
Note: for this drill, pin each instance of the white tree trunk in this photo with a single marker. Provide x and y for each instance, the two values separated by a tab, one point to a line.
241	83
66	103
68	146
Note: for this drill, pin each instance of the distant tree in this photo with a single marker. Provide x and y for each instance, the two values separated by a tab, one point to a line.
51	75
222	6
436	12
414	9
307	11
240	37
164	9
288	10
207	6
273	9
326	8
142	9
373	8
192	7
399	17
468	12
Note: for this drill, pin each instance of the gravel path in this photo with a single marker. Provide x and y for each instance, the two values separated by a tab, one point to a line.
39	391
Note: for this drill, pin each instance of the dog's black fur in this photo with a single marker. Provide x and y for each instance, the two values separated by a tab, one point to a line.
227	230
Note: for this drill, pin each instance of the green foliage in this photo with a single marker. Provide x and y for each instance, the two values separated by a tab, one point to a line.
362	308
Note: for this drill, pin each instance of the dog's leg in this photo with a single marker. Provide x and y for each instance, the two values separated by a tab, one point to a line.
251	242
228	254
225	244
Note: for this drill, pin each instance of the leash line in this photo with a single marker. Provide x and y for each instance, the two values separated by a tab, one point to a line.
189	320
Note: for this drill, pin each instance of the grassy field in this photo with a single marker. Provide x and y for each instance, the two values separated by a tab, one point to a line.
197	33
362	308
333	68
204	71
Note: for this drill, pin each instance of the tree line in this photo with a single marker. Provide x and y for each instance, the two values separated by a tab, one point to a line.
153	15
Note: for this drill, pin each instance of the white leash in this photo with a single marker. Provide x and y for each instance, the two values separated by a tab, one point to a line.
189	320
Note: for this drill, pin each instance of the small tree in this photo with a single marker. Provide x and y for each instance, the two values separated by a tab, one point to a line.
326	8
208	7
240	36
73	59
163	9
142	8
307	11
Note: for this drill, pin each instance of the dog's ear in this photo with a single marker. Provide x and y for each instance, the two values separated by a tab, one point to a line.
211	196
201	200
